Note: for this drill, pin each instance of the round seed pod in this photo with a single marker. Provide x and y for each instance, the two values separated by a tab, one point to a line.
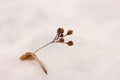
69	32
60	30
70	43
61	40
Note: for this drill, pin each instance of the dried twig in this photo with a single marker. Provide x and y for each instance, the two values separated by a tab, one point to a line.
59	38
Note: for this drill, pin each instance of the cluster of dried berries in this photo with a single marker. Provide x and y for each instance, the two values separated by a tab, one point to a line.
59	38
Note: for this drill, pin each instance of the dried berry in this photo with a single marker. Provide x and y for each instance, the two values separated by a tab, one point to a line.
69	32
61	40
70	43
60	30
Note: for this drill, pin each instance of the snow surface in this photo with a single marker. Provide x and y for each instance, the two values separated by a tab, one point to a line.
28	24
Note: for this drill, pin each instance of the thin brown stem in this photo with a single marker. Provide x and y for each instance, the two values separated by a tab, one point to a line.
55	38
42	47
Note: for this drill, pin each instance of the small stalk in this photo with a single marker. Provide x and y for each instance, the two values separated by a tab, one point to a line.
42	47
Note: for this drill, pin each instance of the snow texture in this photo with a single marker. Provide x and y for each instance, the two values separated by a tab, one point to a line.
28	24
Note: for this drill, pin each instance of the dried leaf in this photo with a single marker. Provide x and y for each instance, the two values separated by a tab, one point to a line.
27	56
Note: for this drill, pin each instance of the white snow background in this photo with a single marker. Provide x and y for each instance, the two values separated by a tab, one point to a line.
28	24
